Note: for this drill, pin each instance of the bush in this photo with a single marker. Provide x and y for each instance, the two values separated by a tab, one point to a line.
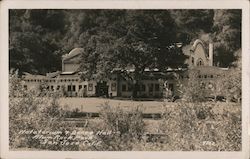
227	85
29	111
202	127
127	127
193	90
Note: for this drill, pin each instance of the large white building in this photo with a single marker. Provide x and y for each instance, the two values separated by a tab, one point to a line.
153	85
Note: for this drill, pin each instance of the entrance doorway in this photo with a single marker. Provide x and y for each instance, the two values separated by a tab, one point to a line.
102	89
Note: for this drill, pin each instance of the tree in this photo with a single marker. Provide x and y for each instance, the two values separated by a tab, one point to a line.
227	36
192	23
194	90
131	39
38	38
35	40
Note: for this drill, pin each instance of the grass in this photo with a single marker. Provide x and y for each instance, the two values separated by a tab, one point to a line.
95	104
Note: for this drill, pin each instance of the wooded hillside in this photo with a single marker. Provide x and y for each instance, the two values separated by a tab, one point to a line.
38	38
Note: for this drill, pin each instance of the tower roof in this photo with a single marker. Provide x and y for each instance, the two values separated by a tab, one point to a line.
72	53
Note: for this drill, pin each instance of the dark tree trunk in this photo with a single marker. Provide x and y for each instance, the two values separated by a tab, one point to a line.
135	89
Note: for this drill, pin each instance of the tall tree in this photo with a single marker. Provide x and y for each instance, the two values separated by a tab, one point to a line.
137	39
227	36
192	23
35	40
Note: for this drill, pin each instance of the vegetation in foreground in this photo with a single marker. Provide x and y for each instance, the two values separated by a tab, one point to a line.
189	126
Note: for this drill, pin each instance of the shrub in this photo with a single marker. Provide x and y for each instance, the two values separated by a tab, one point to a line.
202	126
193	90
127	127
29	111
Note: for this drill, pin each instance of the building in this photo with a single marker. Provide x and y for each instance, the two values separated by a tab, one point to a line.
153	85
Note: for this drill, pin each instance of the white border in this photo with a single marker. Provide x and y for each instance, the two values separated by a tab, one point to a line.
122	4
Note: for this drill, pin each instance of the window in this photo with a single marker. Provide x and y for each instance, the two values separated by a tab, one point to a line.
205	76
52	88
124	87
73	88
90	87
199	76
113	87
25	87
58	87
80	87
157	87
151	87
143	88
129	87
211	76
69	87
192	60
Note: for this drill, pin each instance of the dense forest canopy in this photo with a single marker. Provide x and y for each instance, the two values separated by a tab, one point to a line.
118	38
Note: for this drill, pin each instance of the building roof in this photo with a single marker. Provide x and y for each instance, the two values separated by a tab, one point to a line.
31	76
73	53
209	69
196	42
53	74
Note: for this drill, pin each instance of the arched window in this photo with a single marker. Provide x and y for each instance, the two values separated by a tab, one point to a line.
200	62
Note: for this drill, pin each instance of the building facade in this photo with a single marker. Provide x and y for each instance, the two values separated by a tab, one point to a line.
153	85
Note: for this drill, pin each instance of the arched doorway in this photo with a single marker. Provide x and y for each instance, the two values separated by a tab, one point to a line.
199	62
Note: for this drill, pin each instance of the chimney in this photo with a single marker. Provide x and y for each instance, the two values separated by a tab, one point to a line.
211	54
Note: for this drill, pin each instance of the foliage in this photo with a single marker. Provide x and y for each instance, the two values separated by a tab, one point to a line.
127	127
193	90
134	39
207	126
35	40
192	23
200	90
228	89
232	88
29	111
191	124
227	36
198	127
122	39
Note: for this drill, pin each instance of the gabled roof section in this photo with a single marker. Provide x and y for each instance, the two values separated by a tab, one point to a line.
196	42
73	53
